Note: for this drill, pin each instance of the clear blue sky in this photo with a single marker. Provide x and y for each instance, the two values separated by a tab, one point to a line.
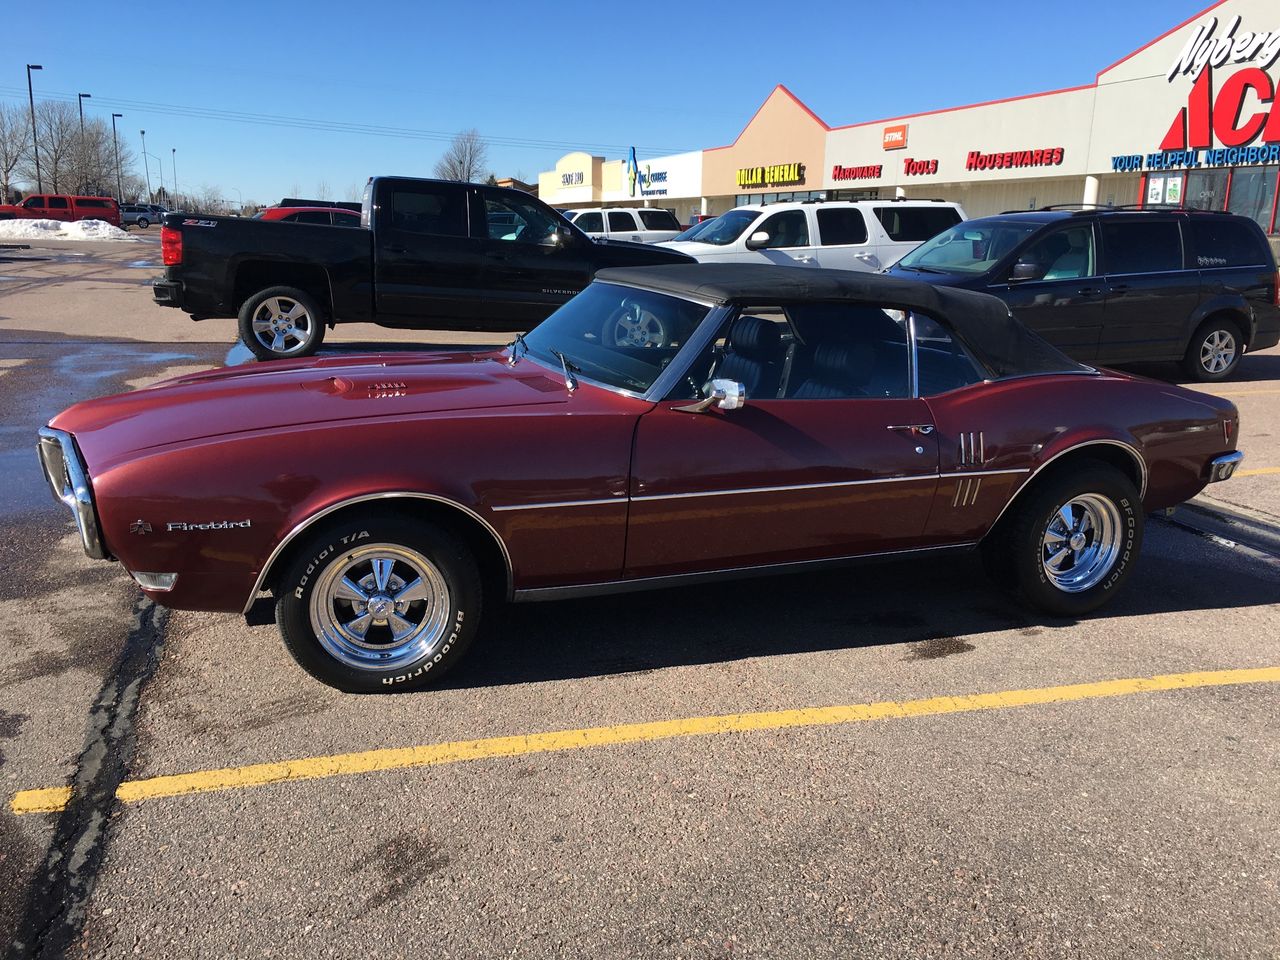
663	76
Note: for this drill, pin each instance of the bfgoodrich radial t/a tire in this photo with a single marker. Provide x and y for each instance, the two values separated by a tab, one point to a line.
1070	541
380	604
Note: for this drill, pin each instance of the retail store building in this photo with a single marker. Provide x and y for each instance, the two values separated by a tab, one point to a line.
1192	118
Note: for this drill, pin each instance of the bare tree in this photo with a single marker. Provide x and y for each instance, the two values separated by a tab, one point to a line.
322	190
15	141
355	191
57	137
465	159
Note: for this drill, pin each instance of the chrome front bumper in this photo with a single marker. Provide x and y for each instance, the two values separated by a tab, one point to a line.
69	480
1221	468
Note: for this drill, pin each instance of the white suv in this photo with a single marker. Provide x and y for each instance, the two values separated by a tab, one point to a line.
845	234
639	224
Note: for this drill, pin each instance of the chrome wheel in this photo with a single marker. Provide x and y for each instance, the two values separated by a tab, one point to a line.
282	325
636	328
1081	543
1218	351
381	607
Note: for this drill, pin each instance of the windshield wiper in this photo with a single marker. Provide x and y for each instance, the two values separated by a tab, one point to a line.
569	368
922	269
518	342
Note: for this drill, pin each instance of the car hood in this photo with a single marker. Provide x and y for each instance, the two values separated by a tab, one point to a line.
967	281
624	253
290	393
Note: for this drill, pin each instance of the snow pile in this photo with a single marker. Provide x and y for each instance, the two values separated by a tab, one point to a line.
60	230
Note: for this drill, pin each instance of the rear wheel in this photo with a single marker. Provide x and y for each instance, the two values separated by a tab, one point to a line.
281	323
380	604
1214	351
1070	542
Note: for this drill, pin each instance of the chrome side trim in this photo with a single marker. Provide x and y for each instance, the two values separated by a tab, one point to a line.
557	504
1128	448
982	473
575	591
398	495
783	489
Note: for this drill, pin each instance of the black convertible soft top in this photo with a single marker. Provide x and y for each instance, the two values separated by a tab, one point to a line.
982	321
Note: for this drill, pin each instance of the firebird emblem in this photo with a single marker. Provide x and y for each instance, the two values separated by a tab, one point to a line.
139	526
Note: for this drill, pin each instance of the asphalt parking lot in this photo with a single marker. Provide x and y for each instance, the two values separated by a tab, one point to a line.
892	761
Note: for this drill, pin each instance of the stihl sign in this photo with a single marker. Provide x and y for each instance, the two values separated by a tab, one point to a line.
1231	115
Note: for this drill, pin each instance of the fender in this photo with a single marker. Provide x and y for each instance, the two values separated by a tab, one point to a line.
1060	449
1236	306
315	516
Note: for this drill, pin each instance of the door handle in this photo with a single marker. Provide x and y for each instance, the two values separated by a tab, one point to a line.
395	249
1087	292
1119	287
923	429
498	255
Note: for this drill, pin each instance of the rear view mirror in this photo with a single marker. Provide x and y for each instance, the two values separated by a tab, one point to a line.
1024	270
721	394
758	240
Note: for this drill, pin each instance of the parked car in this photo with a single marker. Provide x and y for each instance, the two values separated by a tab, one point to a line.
844	234
62	206
1117	286
637	224
438	255
794	419
139	215
321	216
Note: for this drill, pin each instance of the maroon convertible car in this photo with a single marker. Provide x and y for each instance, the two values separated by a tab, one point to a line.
667	424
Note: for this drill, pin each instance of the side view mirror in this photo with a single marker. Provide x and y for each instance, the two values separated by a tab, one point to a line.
721	394
758	240
1024	270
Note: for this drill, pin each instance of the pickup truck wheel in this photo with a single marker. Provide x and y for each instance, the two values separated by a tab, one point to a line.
281	322
379	605
1071	541
633	326
1214	352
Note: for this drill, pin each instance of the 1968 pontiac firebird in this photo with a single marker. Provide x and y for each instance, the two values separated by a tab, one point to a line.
668	424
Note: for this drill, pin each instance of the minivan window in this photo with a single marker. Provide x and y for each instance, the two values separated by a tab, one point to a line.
589	222
916	224
441	213
1222	242
659	220
841	225
1140	245
971	248
1062	255
621	221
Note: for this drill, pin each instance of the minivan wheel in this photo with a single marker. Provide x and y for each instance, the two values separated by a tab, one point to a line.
281	323
1214	351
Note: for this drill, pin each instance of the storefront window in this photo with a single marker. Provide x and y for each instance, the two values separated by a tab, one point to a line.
1164	189
1253	193
1206	189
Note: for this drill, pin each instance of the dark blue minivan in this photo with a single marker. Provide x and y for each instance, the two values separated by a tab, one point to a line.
1115	286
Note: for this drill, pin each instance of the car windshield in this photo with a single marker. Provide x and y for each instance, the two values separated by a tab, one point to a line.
726	228
617	336
971	247
696	230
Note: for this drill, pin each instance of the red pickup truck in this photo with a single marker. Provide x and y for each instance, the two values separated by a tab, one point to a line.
62	206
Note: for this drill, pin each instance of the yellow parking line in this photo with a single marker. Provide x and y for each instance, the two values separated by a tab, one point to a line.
1239	393
1256	472
53	799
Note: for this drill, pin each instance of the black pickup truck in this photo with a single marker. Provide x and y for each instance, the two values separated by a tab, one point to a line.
434	254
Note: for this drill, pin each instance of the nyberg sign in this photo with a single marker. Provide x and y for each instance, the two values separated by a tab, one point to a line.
1203	49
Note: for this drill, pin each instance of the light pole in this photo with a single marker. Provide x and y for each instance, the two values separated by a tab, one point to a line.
174	151
35	142
116	143
145	168
160	171
84	155
239	198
